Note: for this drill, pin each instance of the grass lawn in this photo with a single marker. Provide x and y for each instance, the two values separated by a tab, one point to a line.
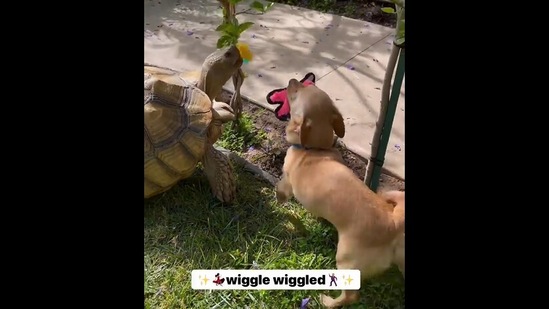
186	229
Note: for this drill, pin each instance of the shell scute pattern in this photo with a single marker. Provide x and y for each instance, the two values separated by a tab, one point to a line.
176	124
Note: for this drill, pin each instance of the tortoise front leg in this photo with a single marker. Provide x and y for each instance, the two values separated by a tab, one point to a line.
220	175
222	113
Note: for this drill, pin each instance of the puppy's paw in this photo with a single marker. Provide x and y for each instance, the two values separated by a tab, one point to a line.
346	297
327	301
281	197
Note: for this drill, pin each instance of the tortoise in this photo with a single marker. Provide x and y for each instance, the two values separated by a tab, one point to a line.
183	121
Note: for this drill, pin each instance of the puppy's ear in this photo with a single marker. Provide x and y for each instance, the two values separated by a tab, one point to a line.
337	124
293	129
305	131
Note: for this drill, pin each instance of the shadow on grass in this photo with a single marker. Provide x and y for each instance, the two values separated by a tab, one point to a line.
186	229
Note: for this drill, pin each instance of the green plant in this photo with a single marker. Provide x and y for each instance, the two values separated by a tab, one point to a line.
400	29
241	136
389	98
350	8
230	28
323	5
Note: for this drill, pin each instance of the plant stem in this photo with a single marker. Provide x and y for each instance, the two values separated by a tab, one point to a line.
228	10
385	94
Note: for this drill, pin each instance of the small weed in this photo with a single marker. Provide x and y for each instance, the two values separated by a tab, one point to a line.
322	5
319	5
243	135
350	8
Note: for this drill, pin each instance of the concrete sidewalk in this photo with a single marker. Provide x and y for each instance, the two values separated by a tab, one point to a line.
347	56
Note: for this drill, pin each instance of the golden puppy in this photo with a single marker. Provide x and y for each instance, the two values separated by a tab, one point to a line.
370	226
314	117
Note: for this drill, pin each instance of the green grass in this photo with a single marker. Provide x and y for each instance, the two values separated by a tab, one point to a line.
243	136
186	229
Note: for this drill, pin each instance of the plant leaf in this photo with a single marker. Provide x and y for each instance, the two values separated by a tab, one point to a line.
222	27
223	41
398	2
231	30
388	10
268	6
257	5
400	27
242	27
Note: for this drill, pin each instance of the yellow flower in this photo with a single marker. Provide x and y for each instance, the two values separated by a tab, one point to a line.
245	52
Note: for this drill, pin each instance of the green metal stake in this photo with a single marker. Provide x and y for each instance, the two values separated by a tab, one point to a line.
379	157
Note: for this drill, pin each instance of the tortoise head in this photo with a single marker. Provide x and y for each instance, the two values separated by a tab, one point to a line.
218	67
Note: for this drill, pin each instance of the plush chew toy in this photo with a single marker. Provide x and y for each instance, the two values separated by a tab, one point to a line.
280	96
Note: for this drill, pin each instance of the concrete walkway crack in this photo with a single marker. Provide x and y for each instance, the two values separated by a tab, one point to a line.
353	57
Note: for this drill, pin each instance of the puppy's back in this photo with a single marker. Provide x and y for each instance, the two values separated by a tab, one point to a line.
322	178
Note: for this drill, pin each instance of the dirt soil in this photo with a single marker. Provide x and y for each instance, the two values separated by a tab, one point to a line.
269	156
368	10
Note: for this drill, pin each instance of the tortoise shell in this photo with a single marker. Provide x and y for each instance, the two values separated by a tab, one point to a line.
177	117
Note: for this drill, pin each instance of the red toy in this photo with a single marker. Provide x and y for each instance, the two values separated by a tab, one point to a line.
280	96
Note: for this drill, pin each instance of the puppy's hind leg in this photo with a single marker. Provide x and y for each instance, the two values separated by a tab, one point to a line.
345	298
346	258
283	190
399	254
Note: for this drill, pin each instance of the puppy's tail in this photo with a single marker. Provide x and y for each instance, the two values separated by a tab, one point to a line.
396	198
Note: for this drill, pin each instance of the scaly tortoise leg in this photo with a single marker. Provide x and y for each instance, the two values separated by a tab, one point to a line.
220	175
